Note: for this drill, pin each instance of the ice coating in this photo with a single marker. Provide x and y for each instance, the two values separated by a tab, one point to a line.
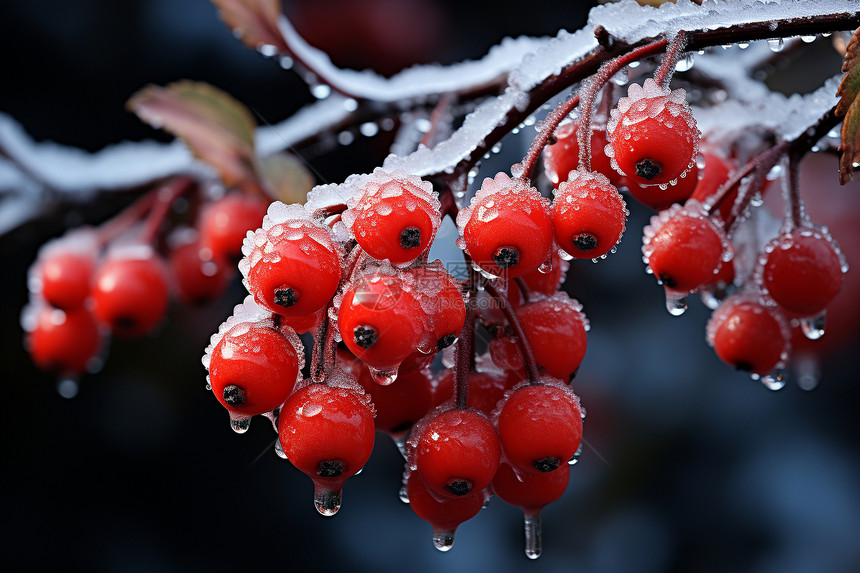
283	222
500	191
246	315
629	22
545	380
720	315
559	301
367	192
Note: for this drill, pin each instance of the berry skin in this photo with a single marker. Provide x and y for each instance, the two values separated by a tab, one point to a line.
379	322
533	491
683	250
224	223
802	272
455	452
327	432
747	335
556	331
506	229
197	281
442	306
131	294
66	278
588	215
653	134
445	515
540	426
253	369
562	157
396	220
291	268
655	197
63	341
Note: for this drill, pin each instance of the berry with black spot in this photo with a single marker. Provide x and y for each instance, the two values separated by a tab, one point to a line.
130	292
748	335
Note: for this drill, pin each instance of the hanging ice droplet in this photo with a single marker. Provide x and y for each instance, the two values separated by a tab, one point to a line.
808	371
743	45
286	62
383	378
686	63
400	442
776	44
808	39
546	266
280	450
533	535
774	381
327	501
575	458
621	78
239	425
403	494
676	304
443	540
709	297
67	388
813	326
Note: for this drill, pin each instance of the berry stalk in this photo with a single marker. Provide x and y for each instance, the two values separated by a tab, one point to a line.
511	317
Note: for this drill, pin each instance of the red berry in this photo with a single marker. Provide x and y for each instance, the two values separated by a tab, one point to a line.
379	321
455	452
441	304
802	271
61	341
747	335
399	405
506	229
394	217
224	223
540	426
505	353
653	134
253	368
66	277
657	198
197	281
683	248
445	515
130	293
588	215
555	328
327	432
562	157
291	265
532	491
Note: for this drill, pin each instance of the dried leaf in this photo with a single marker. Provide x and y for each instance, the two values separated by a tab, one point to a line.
218	129
255	22
286	178
849	106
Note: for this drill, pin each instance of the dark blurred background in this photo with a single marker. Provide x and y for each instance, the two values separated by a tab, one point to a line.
691	466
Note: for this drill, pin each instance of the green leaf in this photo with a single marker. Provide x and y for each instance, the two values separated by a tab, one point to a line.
218	129
849	106
254	21
286	177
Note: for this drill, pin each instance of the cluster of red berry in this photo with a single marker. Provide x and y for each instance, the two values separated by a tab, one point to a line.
117	279
351	268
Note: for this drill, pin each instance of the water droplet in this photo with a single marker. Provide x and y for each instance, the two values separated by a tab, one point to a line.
775	380
345	137
676	304
575	458
368	129
383	378
621	78
279	450
686	63
327	501
743	45
68	388
808	39
808	371
267	50
813	326
776	44
239	425
286	62
320	91
404	496
533	535
443	540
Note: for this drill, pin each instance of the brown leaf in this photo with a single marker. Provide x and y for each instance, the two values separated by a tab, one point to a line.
849	106
286	177
254	21
218	129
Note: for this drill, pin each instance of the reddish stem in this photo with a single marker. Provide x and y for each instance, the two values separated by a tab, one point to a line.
550	124
524	346
164	199
443	107
128	217
673	53
464	351
795	205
